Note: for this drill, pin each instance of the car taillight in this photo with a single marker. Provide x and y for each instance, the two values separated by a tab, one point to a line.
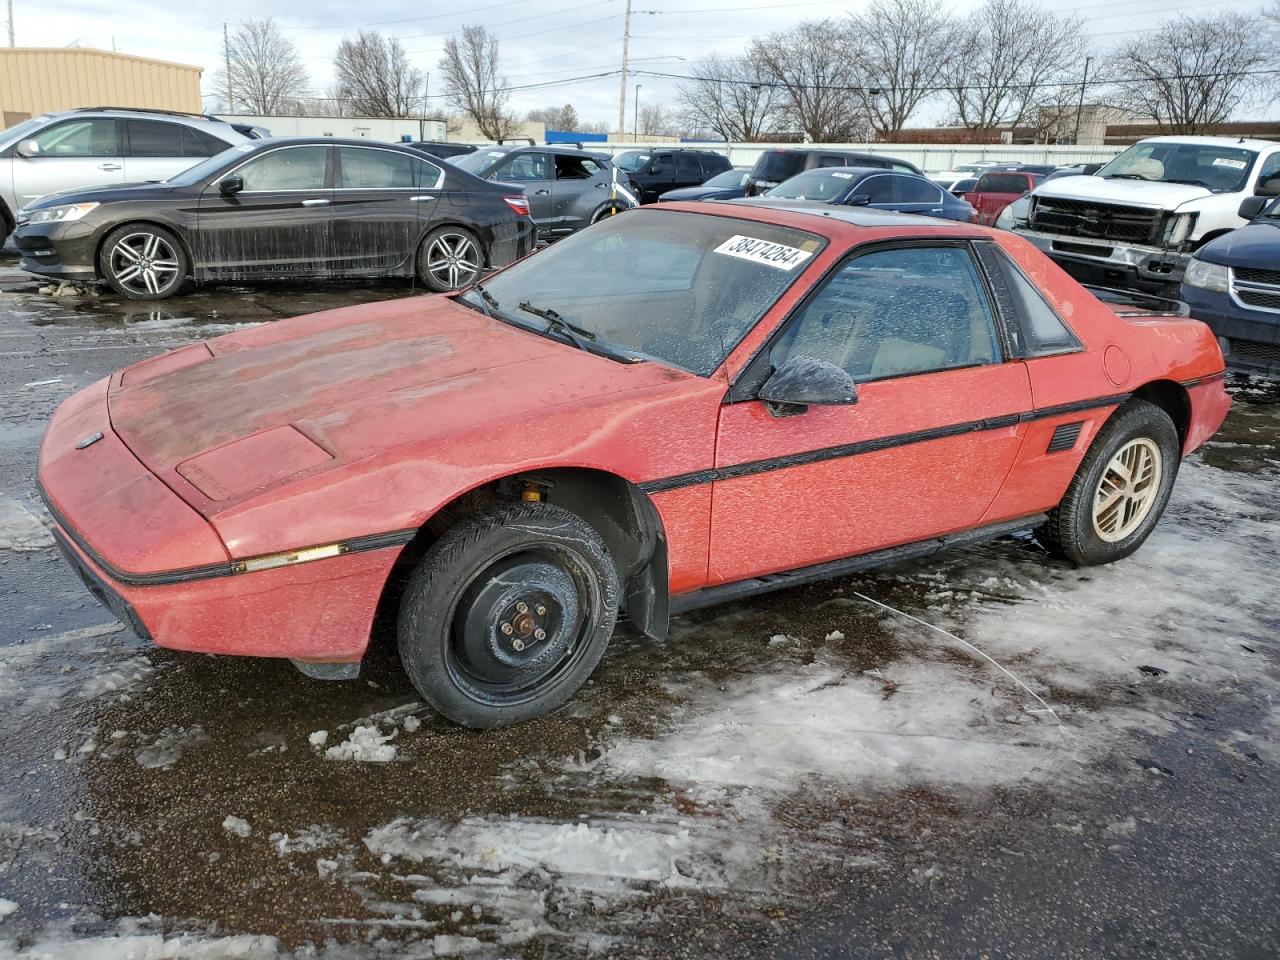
519	204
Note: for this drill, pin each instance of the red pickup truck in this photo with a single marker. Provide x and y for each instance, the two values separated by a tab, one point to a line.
995	191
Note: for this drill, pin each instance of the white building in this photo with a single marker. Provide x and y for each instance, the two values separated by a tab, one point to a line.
386	129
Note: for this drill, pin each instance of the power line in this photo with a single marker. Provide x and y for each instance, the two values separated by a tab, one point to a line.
501	23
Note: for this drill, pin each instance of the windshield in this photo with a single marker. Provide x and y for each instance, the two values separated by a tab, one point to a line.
479	161
20	130
777	165
1218	168
631	160
814	185
728	179
206	168
679	288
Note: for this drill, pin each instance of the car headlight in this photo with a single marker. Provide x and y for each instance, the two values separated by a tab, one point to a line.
1005	220
1179	228
1205	275
63	213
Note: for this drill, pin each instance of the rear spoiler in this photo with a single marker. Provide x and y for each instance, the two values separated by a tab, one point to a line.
1131	303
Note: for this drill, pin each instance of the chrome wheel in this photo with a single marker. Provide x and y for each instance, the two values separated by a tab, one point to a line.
453	260
1127	490
144	263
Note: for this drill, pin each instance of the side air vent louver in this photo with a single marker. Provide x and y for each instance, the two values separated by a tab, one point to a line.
1065	436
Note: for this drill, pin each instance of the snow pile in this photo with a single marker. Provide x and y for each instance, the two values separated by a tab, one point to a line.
365	745
6	907
148	947
307	840
237	825
20	529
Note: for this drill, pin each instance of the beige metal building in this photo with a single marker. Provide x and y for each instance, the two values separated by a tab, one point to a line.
36	80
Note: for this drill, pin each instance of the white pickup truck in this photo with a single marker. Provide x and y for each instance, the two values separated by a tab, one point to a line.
1136	222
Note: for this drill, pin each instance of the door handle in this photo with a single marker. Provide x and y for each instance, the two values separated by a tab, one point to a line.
319	202
423	199
108	166
541	193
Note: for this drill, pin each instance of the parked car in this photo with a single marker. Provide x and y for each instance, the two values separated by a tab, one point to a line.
880	189
1139	219
739	409
774	166
723	186
958	187
441	150
567	188
995	191
962	170
1043	169
305	207
1014	216
1232	283
101	147
657	171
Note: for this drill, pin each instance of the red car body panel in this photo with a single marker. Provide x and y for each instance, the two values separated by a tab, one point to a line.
356	426
988	204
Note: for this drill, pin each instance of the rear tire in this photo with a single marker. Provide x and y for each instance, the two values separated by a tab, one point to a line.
508	614
1120	490
143	262
449	259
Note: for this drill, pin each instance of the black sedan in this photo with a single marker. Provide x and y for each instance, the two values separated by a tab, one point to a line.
281	208
872	187
723	186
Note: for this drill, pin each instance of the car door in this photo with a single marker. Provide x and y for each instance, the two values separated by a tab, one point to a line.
878	191
531	171
924	449
577	191
159	149
79	152
688	171
378	209
279	223
660	177
917	195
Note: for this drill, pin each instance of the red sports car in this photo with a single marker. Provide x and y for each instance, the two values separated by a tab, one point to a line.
680	405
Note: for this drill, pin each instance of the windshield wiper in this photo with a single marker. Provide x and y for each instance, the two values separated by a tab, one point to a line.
1193	183
1123	176
577	334
488	302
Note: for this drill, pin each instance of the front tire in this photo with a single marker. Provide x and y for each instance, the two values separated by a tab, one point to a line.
508	614
143	262
450	258
1120	490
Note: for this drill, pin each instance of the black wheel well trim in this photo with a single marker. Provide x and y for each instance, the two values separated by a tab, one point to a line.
1171	397
7	219
144	222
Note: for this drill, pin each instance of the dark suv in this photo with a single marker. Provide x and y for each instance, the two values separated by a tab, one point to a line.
568	189
774	166
657	171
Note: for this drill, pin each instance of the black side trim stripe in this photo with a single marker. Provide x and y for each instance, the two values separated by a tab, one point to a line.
1200	381
211	571
870	446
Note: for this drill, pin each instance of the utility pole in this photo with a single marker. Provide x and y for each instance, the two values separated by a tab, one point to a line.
635	126
1075	139
622	90
11	43
226	65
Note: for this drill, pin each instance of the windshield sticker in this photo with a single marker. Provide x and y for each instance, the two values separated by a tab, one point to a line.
776	255
496	153
1228	162
244	147
843	176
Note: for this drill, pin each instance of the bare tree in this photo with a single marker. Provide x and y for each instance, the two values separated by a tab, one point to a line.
555	118
1192	72
1009	52
265	72
373	75
656	121
814	65
900	49
733	96
472	82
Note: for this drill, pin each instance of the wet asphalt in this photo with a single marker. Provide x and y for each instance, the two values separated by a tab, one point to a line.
120	762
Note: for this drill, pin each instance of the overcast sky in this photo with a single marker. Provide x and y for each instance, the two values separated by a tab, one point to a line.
544	40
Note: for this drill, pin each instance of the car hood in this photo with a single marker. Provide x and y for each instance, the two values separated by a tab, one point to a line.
1256	244
146	190
1145	193
227	418
703	193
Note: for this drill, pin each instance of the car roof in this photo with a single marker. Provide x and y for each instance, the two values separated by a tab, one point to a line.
883	171
202	120
825	218
1243	142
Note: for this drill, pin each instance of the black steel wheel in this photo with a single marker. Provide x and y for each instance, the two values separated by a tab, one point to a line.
508	614
450	258
143	261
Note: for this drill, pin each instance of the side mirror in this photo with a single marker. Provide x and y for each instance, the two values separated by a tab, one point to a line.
859	200
230	186
1251	207
28	149
802	381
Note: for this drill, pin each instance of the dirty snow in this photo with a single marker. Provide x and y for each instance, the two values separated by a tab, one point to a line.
365	745
237	825
168	746
20	529
6	907
64	945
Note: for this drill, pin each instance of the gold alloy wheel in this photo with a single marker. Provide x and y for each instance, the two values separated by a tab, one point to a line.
1127	490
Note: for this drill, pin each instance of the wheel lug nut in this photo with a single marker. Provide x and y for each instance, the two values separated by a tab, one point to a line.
539	634
522	607
518	644
542	611
506	629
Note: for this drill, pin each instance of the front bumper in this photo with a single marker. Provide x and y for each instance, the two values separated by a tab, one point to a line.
1249	338
161	568
62	251
1107	262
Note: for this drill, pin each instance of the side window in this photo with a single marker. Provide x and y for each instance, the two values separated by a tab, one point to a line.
363	168
154	138
915	190
574	168
1041	331
1269	176
294	168
829	161
91	137
877	189
524	166
664	164
687	166
893	313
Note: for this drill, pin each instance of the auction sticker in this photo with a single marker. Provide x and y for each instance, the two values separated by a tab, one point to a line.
776	255
1229	162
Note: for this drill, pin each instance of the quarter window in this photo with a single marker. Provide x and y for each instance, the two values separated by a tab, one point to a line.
91	137
896	312
1040	330
294	168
